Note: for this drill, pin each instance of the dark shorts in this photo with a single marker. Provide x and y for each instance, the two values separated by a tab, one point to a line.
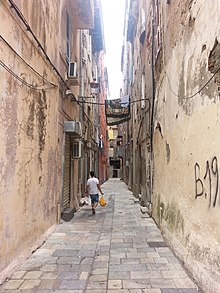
94	198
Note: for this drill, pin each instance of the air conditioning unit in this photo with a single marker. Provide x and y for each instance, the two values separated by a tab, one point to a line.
77	149
73	128
72	69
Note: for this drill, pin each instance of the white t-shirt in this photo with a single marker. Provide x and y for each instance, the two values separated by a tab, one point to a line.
92	183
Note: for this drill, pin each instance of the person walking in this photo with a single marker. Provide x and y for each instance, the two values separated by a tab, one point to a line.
92	188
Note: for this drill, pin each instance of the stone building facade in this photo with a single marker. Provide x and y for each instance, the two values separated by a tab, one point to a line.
171	58
103	135
49	138
94	128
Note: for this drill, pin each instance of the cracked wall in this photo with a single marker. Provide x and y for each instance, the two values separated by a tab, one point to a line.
30	169
186	158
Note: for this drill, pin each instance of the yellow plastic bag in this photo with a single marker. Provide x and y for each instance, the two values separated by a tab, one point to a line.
102	201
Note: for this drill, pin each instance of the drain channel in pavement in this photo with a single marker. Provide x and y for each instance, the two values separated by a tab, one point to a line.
157	244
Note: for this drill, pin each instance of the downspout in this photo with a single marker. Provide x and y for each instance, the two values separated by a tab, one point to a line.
153	89
152	116
80	113
99	131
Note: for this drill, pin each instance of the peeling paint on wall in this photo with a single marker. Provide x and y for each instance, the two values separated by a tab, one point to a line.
188	186
168	152
51	181
187	105
28	153
30	121
214	61
42	123
9	123
174	218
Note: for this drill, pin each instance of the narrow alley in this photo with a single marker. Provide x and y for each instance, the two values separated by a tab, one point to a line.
127	89
119	249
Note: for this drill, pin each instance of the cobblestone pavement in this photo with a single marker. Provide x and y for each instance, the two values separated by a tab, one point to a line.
118	249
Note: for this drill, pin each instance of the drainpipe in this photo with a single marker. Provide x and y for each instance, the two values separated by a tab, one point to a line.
81	90
99	131
153	89
152	113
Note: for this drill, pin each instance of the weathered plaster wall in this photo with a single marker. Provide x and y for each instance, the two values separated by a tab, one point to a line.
30	176
186	155
140	111
103	153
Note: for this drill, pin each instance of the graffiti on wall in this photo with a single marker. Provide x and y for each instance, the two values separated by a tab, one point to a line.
207	185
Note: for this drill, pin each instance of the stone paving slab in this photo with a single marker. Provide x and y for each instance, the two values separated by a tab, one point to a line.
115	250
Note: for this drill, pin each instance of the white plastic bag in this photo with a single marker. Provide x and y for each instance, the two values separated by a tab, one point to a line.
87	200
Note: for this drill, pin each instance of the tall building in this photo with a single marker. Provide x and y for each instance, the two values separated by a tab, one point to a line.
171	66
49	53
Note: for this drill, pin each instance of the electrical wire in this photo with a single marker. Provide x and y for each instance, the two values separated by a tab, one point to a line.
44	79
192	96
20	15
103	104
31	86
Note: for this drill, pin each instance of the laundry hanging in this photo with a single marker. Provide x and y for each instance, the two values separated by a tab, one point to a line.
117	111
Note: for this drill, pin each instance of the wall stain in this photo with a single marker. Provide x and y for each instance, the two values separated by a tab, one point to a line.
42	123
30	121
189	81
191	22
174	218
49	200
25	180
214	61
201	78
168	152
203	48
186	104
8	121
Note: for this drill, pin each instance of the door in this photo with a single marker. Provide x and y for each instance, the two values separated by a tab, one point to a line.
67	174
